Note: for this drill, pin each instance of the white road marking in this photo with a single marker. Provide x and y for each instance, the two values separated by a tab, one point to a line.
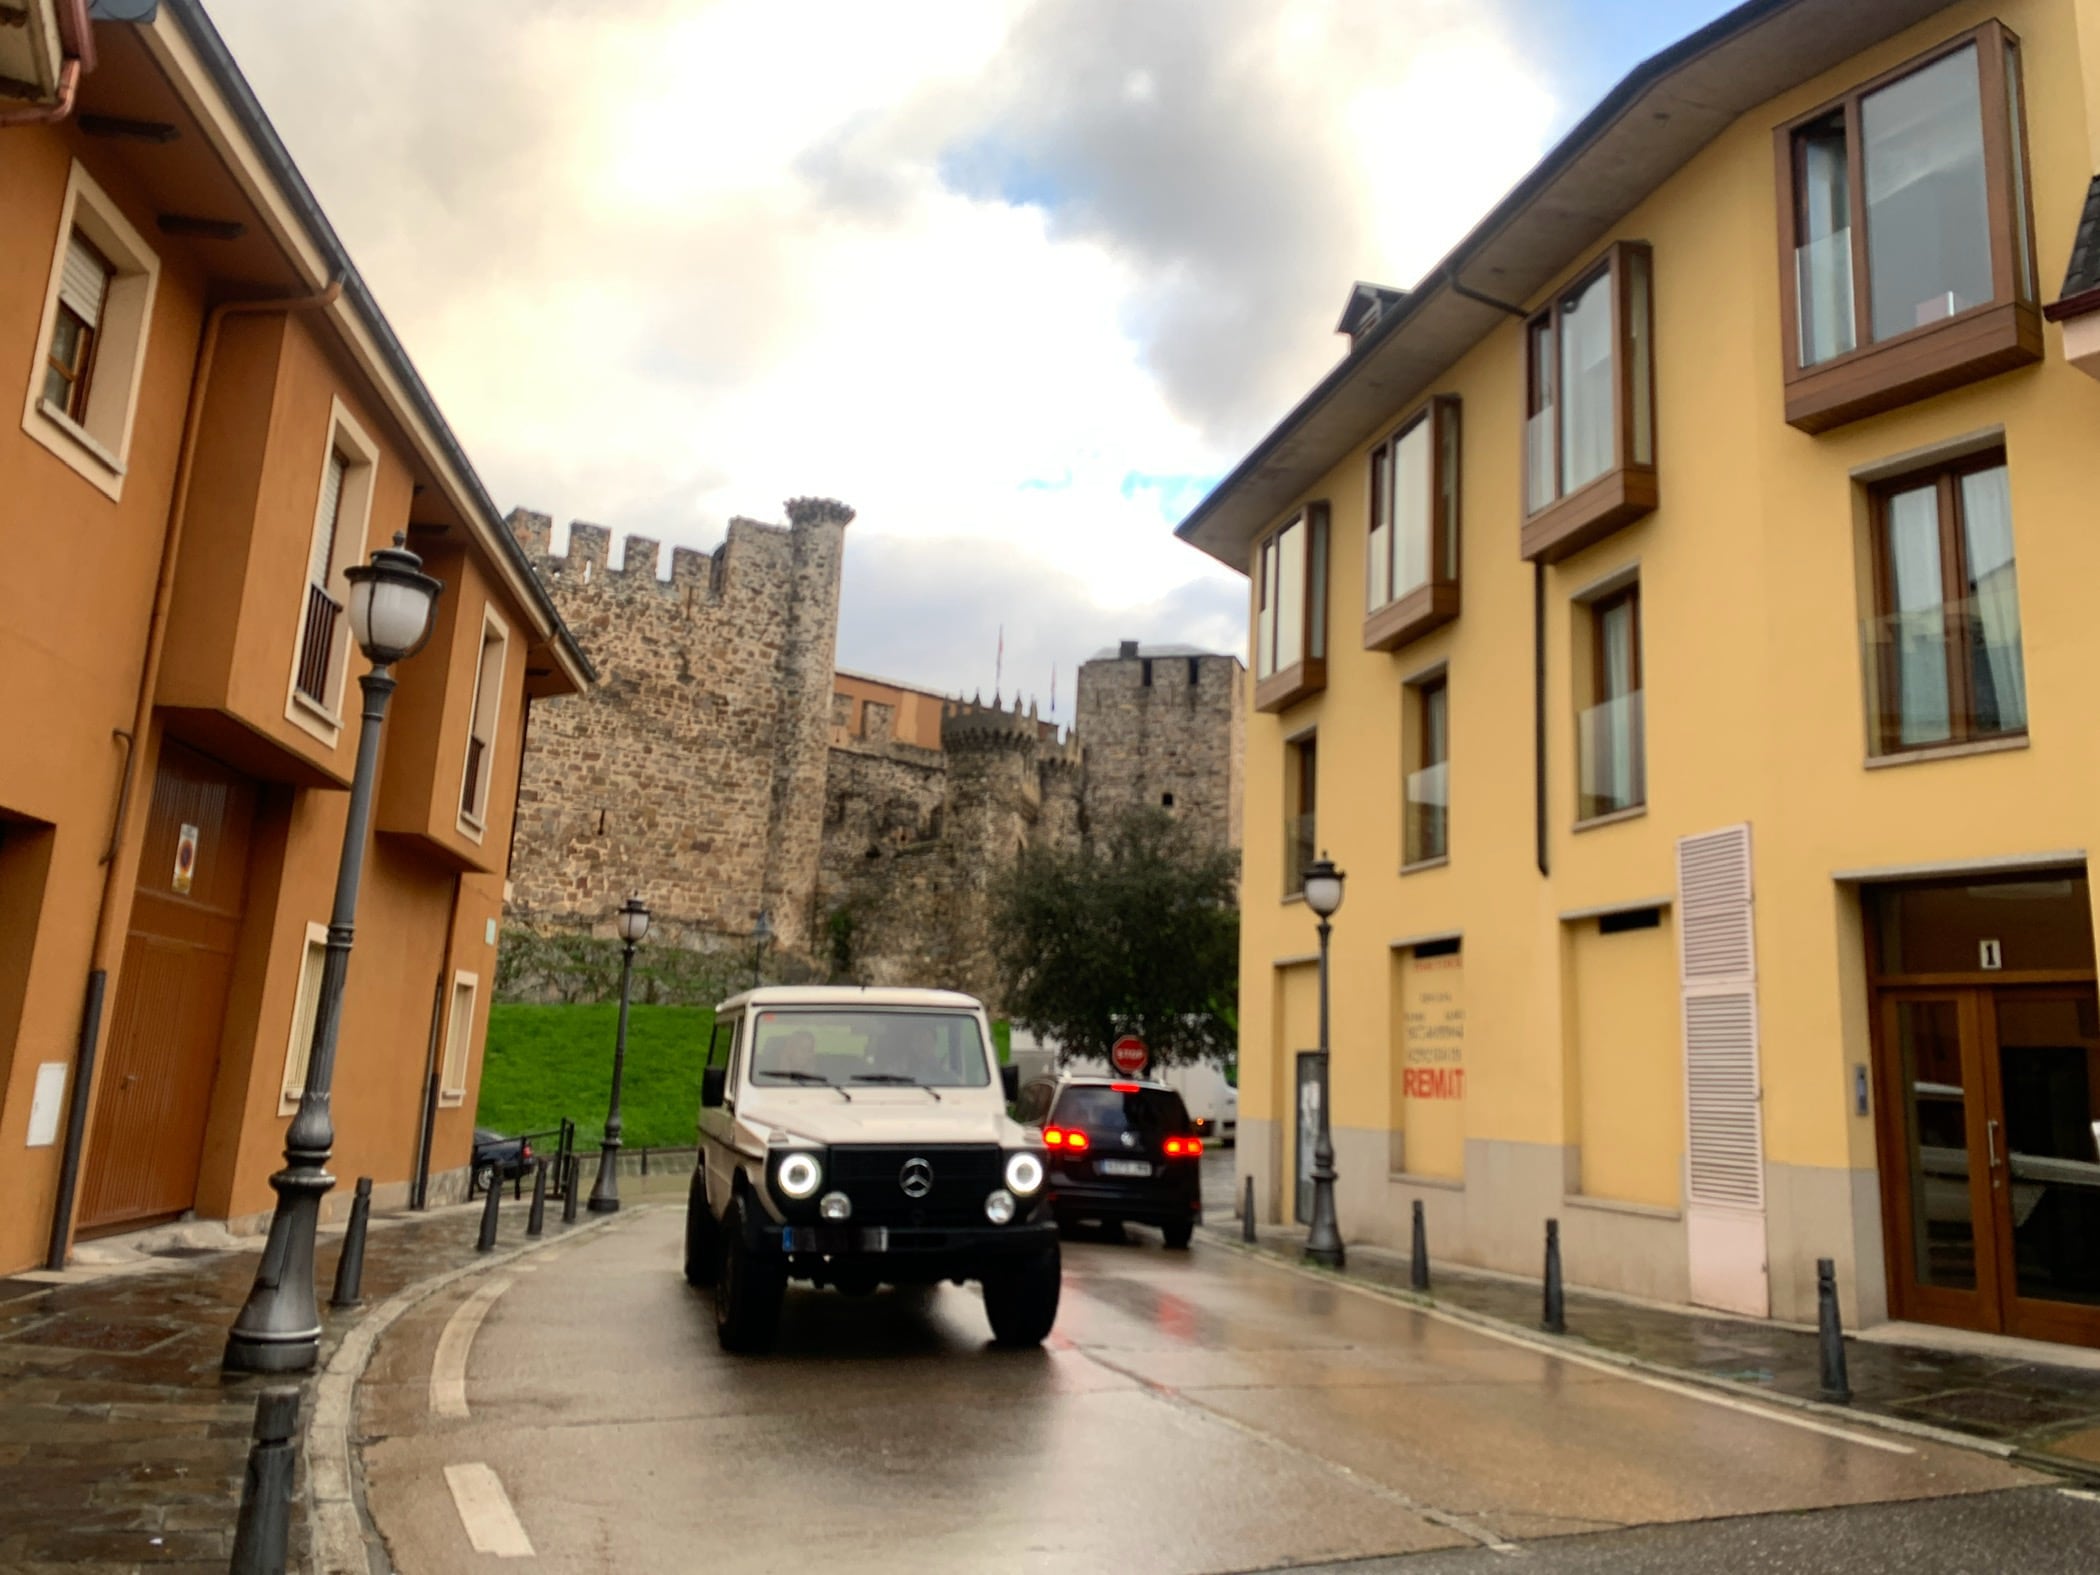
448	1366
2080	1493
484	1509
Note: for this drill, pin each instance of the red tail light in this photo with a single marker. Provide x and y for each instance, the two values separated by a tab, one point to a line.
1125	1088
524	1151
1184	1148
1066	1138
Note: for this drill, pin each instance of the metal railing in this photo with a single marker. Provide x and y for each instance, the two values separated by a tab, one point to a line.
317	644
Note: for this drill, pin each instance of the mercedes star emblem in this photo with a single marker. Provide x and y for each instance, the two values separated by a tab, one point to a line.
916	1178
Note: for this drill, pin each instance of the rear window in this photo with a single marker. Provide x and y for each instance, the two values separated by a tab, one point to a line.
1092	1108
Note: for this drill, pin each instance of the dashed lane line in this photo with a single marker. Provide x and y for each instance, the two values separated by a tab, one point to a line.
448	1364
484	1510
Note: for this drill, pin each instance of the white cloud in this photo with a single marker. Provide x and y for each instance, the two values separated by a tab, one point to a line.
975	266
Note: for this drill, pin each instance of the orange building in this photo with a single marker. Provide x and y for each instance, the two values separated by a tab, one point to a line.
216	422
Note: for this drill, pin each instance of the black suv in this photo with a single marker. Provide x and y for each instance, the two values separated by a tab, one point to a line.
1119	1149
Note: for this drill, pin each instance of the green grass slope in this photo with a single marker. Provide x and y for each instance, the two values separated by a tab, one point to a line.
546	1062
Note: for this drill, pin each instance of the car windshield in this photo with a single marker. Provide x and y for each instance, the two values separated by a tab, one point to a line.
867	1046
1095	1108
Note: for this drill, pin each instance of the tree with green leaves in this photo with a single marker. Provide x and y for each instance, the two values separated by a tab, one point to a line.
1137	931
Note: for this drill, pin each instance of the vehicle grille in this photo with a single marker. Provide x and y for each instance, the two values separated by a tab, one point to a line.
871	1175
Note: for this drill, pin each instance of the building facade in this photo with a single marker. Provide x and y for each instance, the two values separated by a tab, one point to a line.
1669	616
215	423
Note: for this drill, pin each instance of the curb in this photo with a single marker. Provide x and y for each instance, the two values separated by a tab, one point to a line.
343	1540
1603	1358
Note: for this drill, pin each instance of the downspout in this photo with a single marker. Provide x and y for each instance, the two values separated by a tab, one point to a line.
142	717
77	38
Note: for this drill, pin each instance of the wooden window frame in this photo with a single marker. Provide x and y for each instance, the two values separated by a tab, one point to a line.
1627	490
1435	603
1978	342
1884	733
1419	691
80	378
1302	766
1289	684
1596	607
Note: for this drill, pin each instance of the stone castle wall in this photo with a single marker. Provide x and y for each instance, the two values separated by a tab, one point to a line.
1167	730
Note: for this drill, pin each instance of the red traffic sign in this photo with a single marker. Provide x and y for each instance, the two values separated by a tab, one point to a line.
1129	1054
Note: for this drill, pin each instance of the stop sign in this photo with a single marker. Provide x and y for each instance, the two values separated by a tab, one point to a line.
1129	1054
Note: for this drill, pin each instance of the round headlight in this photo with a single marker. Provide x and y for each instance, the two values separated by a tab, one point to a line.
836	1206
799	1175
999	1207
1024	1173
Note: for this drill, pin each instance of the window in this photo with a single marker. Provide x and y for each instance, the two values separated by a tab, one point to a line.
1411	578
1612	771
1301	803
1290	622
342	509
91	344
1945	637
1428	833
459	1039
1907	263
1589	424
306	1008
481	731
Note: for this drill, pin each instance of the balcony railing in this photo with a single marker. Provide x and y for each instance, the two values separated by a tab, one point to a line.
1613	768
1541	486
1428	808
1823	293
1299	842
324	616
1916	703
470	790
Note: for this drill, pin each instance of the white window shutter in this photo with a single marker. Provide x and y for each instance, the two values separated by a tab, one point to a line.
1724	1144
83	281
318	570
1713	912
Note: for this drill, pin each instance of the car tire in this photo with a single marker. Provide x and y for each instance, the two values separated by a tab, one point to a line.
1178	1236
748	1289
1020	1298
484	1178
703	1237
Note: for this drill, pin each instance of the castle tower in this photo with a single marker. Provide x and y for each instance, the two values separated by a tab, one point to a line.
1061	770
993	795
802	731
1164	726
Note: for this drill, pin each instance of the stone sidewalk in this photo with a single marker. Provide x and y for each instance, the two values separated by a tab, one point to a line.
2044	1414
122	1443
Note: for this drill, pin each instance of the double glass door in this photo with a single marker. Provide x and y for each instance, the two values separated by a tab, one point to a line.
1991	1102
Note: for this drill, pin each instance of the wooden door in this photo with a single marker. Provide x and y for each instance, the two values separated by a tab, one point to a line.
163	1041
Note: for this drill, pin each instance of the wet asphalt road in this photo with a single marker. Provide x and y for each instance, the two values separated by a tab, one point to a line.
1193	1412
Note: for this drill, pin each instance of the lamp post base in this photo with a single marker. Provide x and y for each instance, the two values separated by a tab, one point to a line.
1323	1243
605	1190
279	1327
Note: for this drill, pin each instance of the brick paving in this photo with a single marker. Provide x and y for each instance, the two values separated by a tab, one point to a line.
121	1441
2050	1414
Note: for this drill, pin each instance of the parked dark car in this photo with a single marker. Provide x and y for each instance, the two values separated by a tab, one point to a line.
498	1158
1120	1150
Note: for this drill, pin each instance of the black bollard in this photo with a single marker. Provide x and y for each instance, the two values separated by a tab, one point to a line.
350	1267
1556	1318
536	1221
493	1199
1836	1386
1247	1215
1418	1254
263	1527
568	1191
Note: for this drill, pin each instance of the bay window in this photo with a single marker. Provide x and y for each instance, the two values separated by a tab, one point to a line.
1290	611
1411	575
1907	263
1589	427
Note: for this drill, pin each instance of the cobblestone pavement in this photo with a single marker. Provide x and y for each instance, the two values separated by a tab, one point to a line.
2048	1413
121	1441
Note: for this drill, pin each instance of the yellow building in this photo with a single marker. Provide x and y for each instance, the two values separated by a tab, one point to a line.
1671	615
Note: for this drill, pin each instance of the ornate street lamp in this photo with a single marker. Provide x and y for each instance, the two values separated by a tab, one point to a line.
633	920
761	938
1323	1244
279	1329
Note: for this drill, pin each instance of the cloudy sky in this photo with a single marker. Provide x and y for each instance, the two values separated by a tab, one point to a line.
1018	279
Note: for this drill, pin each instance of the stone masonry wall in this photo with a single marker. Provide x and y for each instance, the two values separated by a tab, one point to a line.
684	775
1180	734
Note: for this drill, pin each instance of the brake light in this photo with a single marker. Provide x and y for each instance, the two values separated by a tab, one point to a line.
1125	1088
1184	1148
524	1151
1065	1138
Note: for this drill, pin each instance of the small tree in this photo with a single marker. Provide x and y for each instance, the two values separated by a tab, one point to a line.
1137	932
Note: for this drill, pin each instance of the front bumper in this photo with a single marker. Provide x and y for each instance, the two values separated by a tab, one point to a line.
877	1244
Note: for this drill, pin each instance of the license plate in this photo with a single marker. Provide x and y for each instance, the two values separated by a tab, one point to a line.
834	1239
1125	1167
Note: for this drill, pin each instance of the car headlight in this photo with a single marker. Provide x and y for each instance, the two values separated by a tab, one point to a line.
999	1207
1024	1173
799	1176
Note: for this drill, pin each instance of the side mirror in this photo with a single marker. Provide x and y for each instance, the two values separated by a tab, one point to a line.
1010	1080
713	1084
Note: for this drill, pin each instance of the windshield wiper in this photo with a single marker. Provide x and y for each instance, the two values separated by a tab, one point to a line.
899	1079
816	1078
